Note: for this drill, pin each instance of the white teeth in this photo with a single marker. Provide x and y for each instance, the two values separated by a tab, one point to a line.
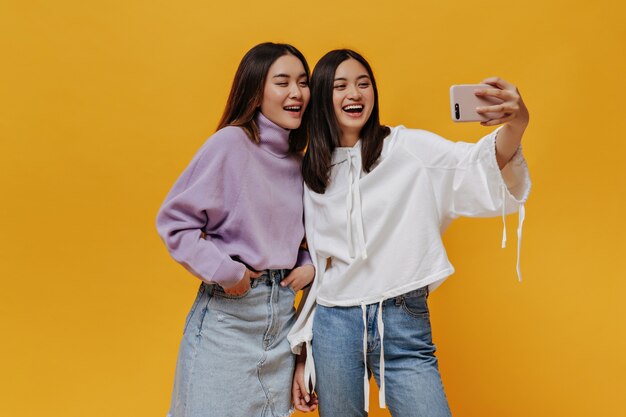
353	107
294	108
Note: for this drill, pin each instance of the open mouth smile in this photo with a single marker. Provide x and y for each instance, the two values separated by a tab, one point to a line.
353	110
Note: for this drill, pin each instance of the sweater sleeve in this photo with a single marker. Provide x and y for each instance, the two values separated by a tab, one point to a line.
200	201
303	257
466	178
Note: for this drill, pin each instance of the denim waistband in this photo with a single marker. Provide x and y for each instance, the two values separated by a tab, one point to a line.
414	293
270	275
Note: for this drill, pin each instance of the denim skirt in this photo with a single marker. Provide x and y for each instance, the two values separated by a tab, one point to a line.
234	358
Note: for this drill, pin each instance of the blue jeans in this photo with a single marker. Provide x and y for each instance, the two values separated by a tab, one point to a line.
412	381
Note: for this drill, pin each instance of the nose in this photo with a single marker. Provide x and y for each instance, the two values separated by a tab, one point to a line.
354	93
295	92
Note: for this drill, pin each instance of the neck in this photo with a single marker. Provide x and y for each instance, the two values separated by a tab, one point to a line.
348	139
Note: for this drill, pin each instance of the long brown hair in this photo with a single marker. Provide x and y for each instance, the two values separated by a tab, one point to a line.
246	93
323	129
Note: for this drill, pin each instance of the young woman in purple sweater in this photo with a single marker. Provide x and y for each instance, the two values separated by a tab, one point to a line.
234	220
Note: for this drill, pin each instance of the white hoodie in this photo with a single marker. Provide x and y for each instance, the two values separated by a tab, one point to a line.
377	235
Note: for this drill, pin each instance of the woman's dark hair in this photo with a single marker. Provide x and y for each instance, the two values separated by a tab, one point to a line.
322	126
246	93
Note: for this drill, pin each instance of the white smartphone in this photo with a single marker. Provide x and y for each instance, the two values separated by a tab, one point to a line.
463	103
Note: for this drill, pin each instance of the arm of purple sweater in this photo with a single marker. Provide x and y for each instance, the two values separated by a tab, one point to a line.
303	257
202	196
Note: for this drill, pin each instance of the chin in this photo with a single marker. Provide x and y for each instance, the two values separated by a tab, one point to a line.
290	124
354	125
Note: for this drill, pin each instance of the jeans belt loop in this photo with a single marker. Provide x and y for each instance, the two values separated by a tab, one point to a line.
399	299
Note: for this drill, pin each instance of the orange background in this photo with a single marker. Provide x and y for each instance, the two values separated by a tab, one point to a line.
104	103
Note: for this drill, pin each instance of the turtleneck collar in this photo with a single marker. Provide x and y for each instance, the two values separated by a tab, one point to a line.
273	138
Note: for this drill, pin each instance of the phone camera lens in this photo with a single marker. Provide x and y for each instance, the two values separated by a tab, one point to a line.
457	112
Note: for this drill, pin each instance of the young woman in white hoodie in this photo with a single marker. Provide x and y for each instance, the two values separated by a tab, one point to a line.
376	201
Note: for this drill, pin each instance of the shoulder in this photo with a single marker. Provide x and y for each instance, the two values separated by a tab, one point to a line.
229	143
232	138
419	136
417	140
430	148
224	151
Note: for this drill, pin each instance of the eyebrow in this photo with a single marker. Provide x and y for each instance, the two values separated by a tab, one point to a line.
358	78
287	75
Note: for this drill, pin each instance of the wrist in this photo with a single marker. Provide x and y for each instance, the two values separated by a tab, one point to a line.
246	275
518	125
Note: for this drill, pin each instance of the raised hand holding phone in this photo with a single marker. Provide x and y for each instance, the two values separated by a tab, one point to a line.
464	102
511	111
492	102
511	107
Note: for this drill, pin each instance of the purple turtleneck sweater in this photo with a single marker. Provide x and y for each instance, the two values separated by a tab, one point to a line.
237	201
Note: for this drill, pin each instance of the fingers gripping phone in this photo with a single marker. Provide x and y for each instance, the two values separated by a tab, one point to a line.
463	103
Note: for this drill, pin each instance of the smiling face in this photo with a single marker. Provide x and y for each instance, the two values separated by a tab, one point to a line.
353	98
286	92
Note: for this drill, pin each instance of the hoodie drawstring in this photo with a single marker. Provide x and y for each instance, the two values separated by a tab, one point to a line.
503	216
381	331
520	223
309	369
353	200
366	381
